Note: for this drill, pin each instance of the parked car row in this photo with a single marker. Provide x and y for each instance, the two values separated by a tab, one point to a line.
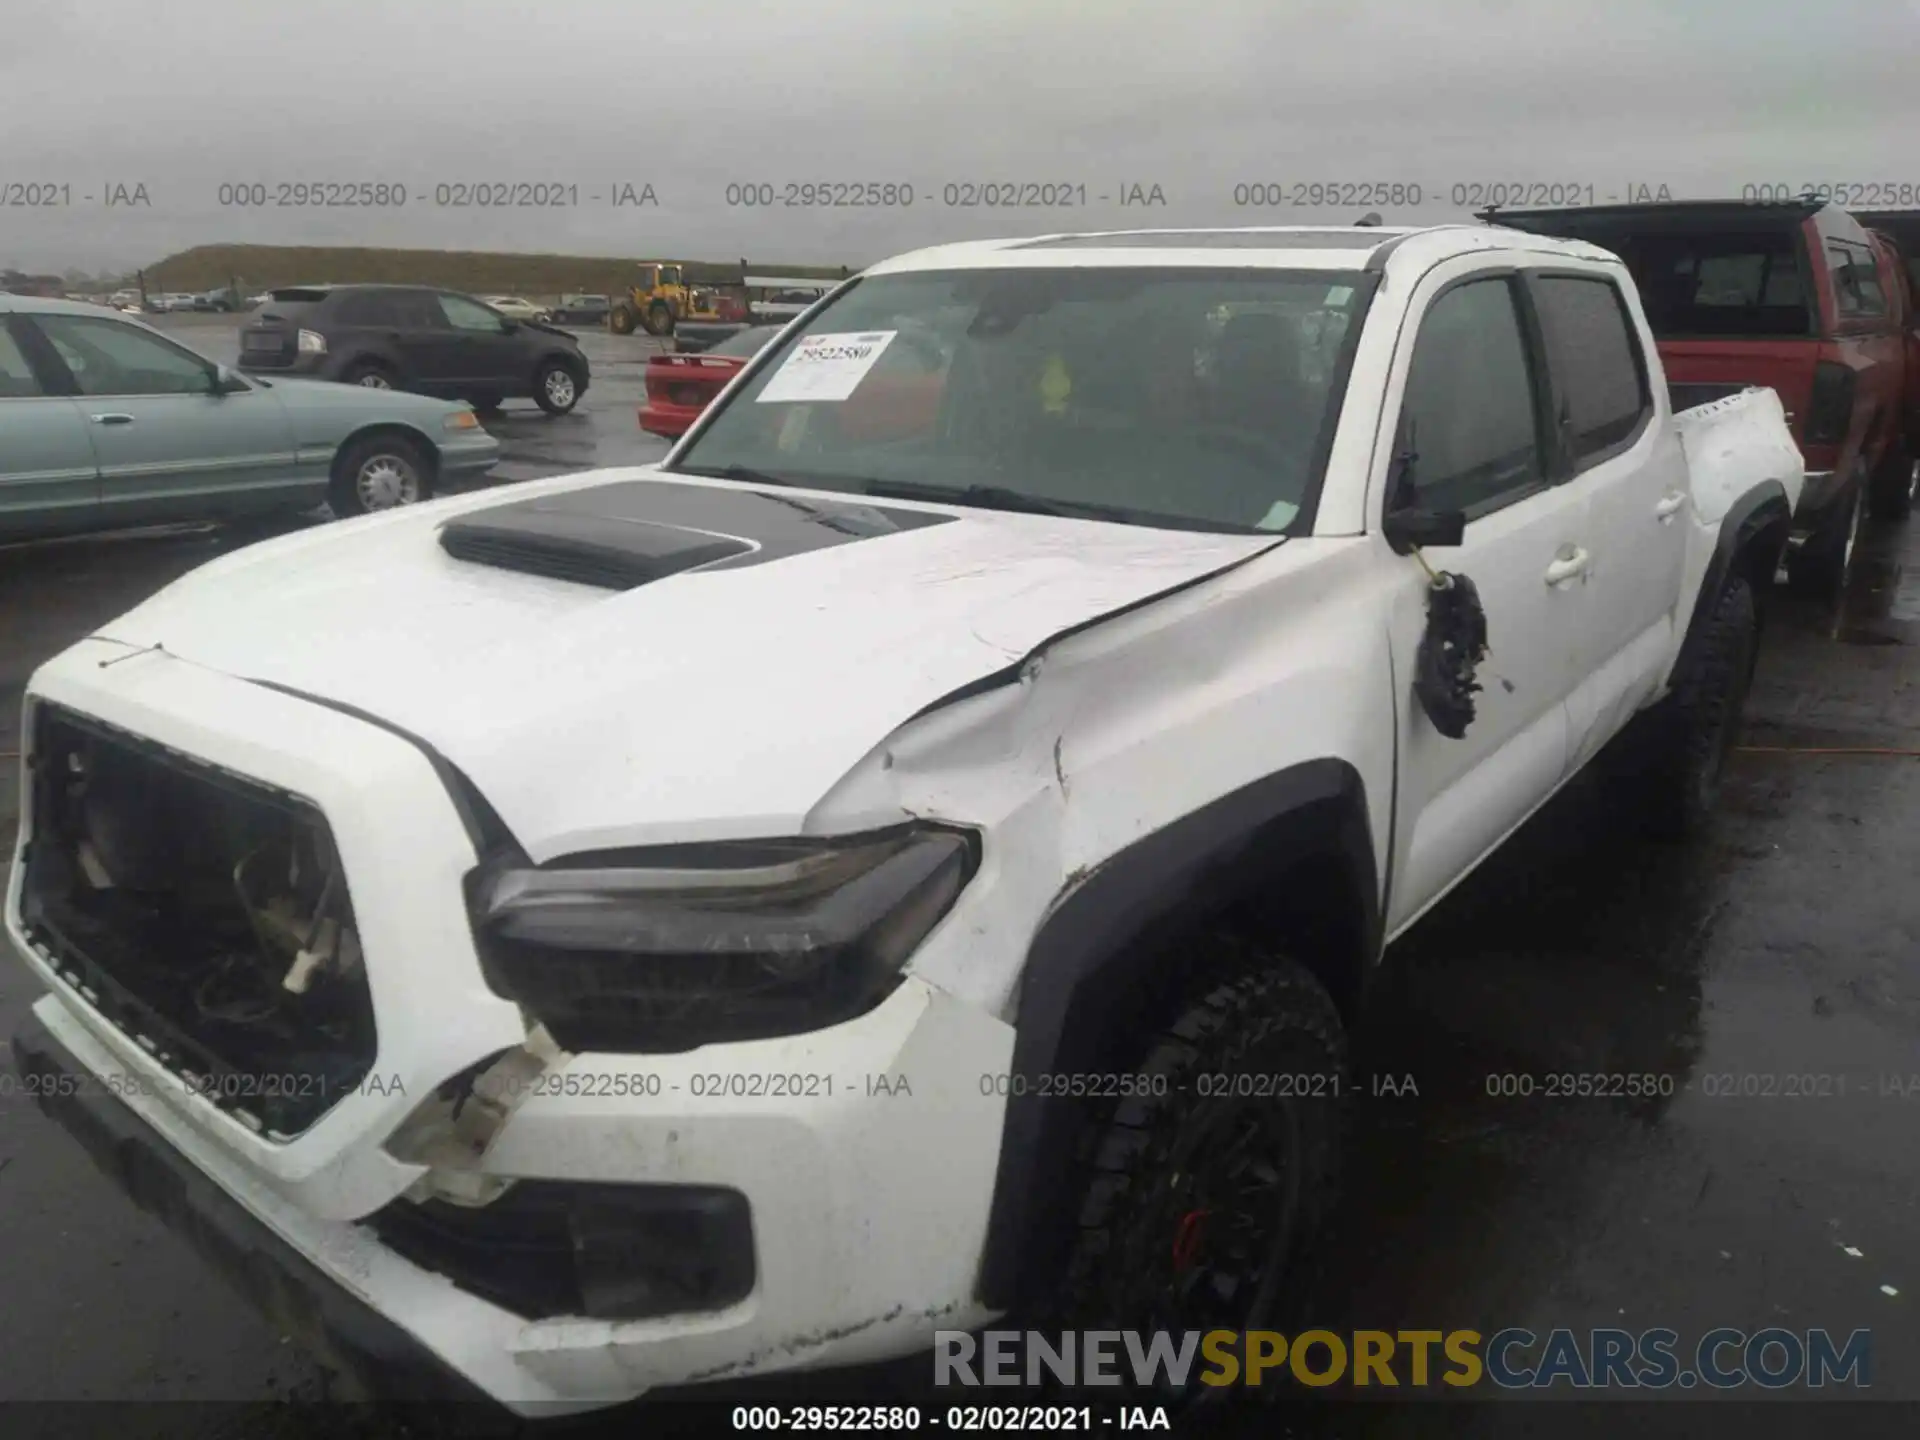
206	302
105	423
574	309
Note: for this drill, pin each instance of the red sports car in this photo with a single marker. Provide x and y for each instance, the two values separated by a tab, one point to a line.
679	387
896	404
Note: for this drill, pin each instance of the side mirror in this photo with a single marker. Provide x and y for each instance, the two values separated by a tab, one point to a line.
1410	529
225	382
508	325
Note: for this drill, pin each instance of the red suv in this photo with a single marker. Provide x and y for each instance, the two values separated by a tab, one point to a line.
1799	297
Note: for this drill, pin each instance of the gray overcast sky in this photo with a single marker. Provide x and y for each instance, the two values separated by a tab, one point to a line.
1703	96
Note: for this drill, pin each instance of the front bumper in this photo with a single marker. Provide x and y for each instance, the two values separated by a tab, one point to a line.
290	1290
469	457
865	1152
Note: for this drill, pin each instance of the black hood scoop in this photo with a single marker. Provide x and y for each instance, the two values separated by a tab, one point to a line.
630	533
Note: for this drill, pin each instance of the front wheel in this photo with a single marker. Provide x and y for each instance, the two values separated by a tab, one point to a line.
380	472
555	390
1699	719
623	320
1202	1193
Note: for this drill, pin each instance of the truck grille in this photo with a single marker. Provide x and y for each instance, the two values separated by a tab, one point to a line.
202	913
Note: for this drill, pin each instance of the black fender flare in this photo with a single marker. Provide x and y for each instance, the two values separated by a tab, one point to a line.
1752	515
1094	953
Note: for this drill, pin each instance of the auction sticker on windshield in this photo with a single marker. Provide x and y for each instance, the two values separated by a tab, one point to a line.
827	367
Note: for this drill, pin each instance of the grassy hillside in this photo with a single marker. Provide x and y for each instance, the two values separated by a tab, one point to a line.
259	267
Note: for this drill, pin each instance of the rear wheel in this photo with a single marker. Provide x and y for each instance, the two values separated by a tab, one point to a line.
1696	724
1202	1193
370	373
1893	482
379	472
660	318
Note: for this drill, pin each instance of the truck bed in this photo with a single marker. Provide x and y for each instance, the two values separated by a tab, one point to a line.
1686	394
1730	439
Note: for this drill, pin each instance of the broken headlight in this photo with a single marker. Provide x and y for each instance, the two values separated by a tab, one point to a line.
670	948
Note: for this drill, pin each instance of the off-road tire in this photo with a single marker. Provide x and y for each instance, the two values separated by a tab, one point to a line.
1892	494
660	318
1700	717
1262	1016
623	319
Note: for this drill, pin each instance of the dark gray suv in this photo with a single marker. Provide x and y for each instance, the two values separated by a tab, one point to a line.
412	337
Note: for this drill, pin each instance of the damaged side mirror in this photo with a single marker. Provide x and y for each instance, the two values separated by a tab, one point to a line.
1408	526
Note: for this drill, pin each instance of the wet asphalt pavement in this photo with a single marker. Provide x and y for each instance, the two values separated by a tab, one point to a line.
1782	949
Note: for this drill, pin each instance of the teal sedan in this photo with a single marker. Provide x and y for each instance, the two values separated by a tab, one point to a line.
107	424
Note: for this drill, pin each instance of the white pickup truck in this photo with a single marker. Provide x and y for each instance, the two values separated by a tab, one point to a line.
921	843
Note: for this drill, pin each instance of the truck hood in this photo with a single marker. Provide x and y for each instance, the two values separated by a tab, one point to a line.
720	658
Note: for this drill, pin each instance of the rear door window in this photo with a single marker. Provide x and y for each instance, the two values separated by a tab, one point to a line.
465	314
368	309
417	310
1600	375
108	358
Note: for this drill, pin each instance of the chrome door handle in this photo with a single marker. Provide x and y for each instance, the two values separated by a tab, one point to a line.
116	418
1670	506
1568	567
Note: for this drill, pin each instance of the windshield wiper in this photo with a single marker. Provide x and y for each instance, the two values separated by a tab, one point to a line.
987	497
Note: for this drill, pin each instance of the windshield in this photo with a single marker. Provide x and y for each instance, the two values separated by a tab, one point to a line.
1195	398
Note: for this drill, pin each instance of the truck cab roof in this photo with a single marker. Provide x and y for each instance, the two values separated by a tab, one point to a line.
1286	247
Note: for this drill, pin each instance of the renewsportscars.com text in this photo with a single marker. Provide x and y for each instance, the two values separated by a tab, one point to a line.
1510	1359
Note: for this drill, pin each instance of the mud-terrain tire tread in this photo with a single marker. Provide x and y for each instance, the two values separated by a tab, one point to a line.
1256	1004
1704	716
